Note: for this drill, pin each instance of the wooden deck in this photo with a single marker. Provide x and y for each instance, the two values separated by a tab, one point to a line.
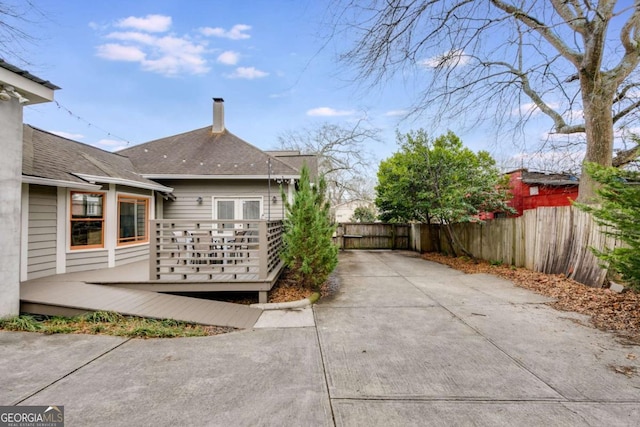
61	296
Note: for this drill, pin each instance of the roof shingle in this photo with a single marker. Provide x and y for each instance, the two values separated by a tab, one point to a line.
201	152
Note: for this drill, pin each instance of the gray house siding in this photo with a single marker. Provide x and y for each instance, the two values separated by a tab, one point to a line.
187	192
125	255
87	260
41	254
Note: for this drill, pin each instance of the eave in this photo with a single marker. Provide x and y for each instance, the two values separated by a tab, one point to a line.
227	177
122	181
36	180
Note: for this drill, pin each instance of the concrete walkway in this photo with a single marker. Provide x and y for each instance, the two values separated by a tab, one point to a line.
405	342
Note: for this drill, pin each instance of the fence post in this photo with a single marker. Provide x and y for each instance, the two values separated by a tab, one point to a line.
393	236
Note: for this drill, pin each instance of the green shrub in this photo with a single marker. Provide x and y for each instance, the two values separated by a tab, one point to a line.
619	211
309	251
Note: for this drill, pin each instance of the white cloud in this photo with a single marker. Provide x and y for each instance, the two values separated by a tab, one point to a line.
117	52
229	58
248	73
168	55
328	112
452	58
237	32
68	135
132	36
149	23
396	113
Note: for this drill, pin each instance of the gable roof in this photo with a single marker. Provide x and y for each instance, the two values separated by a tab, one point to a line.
64	162
202	153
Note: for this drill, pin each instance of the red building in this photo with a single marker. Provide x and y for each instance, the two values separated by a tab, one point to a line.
536	189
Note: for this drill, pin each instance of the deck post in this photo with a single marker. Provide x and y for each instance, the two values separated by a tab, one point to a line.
153	250
263	297
263	250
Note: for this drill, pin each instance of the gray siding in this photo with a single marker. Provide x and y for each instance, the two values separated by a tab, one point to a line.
41	250
187	192
87	260
127	254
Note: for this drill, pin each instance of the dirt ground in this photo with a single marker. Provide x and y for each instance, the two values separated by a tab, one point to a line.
609	311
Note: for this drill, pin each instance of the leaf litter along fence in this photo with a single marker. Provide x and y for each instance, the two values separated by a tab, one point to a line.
554	240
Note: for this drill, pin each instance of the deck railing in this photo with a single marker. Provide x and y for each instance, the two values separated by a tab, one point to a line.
214	250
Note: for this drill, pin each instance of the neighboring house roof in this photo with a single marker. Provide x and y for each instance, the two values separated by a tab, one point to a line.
297	160
551	179
202	153
64	162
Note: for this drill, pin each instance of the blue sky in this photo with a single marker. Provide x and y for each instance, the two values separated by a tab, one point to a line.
134	71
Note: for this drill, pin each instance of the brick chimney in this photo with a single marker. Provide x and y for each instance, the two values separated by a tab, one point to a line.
218	115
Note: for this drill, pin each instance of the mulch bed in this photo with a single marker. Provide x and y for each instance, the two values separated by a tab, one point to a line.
609	311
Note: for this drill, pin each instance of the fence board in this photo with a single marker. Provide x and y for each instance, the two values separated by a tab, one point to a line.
555	240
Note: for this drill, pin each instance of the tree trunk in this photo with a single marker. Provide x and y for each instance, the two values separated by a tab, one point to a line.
449	234
597	99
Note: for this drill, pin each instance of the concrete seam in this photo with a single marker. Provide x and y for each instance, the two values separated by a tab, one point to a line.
517	362
73	371
324	367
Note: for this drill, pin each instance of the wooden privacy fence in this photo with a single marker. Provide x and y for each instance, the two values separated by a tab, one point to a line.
553	240
372	236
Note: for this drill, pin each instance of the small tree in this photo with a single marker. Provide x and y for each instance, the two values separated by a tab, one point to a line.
439	181
620	198
309	251
363	214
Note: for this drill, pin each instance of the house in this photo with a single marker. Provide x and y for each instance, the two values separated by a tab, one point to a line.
17	89
343	212
537	189
215	174
84	208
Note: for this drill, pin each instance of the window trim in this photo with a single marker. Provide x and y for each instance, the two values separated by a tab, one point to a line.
237	206
72	220
136	241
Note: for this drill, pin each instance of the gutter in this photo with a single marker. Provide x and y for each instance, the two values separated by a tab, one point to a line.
137	184
59	183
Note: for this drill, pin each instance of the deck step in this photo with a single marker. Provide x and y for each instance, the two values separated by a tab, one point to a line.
66	297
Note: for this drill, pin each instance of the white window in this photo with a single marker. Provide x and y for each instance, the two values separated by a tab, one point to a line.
236	209
533	191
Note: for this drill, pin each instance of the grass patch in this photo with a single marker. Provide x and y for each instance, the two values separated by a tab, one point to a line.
108	323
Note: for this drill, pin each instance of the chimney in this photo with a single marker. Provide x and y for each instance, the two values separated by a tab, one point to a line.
218	115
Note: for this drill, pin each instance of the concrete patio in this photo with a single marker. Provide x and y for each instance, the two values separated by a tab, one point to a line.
404	342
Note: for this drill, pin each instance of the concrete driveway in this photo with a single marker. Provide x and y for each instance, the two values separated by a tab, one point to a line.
404	342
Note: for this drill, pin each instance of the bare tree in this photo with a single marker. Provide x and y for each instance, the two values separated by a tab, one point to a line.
342	157
14	38
572	60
